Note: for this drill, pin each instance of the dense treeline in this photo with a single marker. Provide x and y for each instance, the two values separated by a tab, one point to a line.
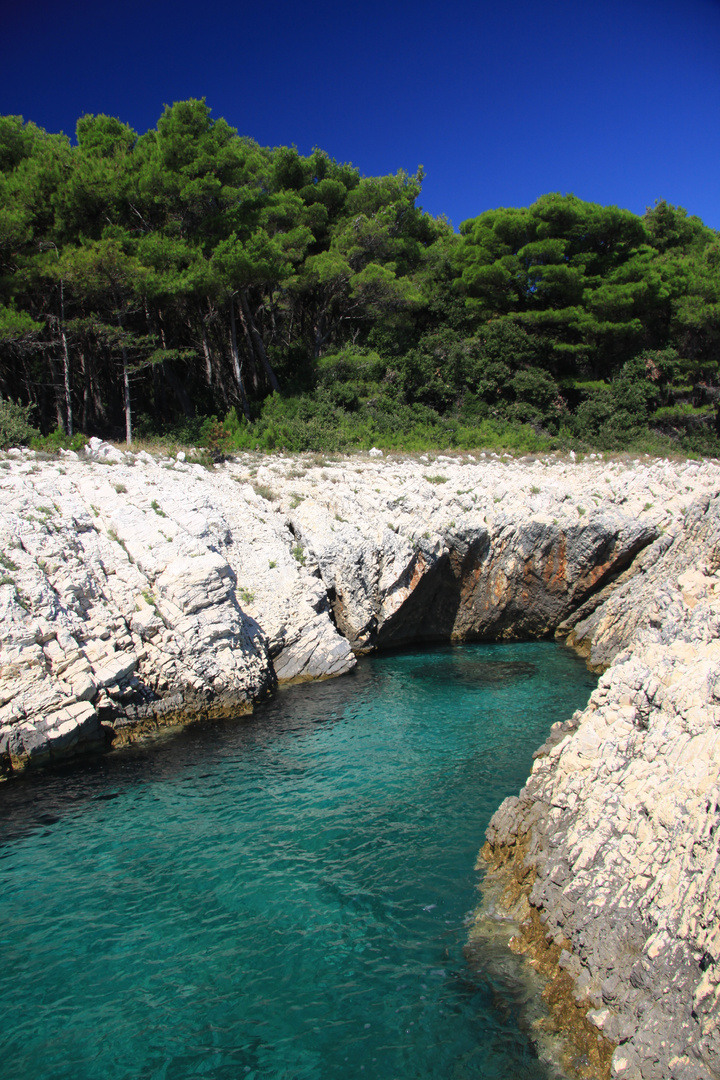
191	281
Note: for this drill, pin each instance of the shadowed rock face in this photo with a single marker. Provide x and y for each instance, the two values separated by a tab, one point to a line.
513	580
519	581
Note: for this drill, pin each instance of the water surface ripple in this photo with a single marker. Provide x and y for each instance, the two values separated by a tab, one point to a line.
282	896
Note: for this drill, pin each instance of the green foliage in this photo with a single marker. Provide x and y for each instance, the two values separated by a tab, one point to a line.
15	426
58	440
6	562
213	435
299	554
191	274
16	326
307	424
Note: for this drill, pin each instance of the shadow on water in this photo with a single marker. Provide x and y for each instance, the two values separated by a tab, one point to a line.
488	673
38	798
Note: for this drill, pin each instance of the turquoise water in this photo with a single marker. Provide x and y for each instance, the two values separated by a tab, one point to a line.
282	896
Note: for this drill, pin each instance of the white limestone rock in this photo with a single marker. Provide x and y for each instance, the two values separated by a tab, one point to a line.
628	804
221	581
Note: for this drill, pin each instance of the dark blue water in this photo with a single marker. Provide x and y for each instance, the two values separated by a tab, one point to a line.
282	896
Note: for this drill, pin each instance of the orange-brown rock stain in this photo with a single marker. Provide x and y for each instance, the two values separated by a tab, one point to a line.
418	572
554	570
499	589
468	586
591	578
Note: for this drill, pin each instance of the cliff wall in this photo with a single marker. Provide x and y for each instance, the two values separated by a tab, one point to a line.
610	853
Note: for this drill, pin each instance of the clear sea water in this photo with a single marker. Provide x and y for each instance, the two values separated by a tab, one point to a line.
281	896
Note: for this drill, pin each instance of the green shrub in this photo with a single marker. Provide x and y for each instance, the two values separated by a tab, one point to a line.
299	554
58	440
214	436
15	426
303	423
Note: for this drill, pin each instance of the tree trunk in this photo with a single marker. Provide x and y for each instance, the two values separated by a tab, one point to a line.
258	342
99	410
250	351
126	393
66	361
86	389
236	360
126	389
171	379
319	335
59	409
206	351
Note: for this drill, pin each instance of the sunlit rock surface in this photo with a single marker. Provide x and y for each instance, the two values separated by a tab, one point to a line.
614	839
146	589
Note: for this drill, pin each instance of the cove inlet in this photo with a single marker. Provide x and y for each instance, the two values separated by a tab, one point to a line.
283	895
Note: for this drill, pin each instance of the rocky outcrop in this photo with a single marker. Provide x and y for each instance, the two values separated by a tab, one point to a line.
612	848
129	596
138	591
484	573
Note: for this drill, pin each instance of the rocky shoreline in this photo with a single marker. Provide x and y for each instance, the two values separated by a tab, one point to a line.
138	591
610	853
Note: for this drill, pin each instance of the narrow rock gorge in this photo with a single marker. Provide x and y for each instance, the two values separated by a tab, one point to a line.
139	591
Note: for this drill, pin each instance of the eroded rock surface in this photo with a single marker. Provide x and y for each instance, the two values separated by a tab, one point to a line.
614	841
139	590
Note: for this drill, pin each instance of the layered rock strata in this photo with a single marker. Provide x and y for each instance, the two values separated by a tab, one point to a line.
610	855
139	590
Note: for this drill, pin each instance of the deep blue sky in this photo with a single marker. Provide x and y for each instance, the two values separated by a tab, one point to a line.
617	101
